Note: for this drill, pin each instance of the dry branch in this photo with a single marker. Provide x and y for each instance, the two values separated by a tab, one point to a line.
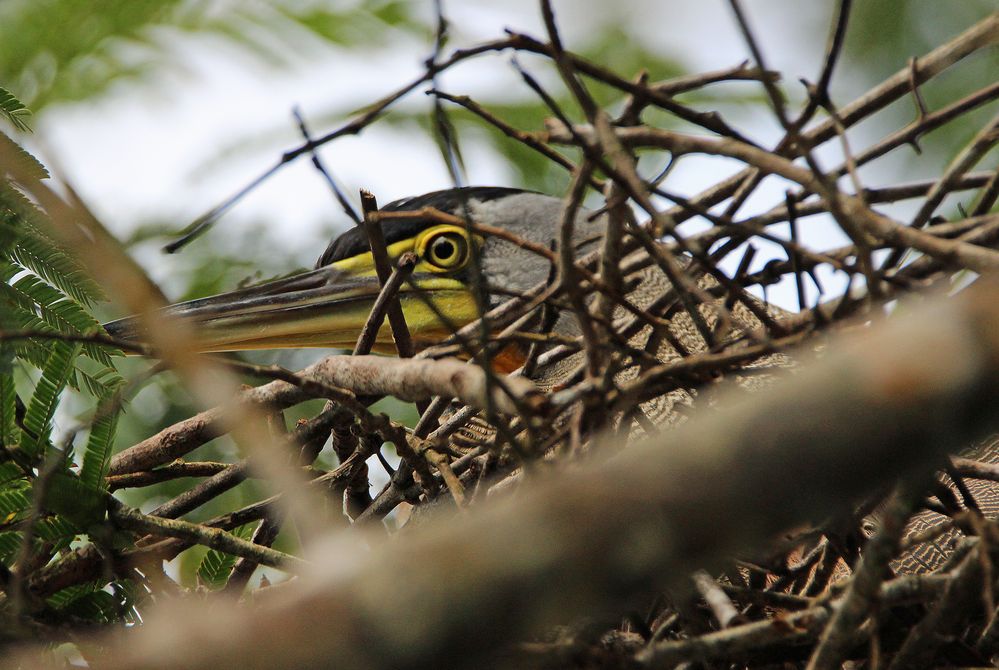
869	222
409	380
131	519
880	404
609	529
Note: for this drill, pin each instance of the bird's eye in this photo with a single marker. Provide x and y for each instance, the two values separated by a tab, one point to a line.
447	250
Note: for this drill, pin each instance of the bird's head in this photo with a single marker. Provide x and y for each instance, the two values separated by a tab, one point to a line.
328	306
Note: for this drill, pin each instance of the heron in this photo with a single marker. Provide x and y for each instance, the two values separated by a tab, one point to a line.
328	305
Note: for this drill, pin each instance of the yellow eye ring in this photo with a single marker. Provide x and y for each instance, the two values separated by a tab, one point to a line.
444	248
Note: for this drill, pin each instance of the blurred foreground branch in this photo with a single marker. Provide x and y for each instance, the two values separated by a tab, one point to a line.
883	403
657	313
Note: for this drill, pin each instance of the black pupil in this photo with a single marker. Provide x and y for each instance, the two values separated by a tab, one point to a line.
444	249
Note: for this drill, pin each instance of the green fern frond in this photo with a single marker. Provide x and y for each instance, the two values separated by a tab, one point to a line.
15	499
59	65
36	353
61	314
53	528
94	384
10	471
71	499
29	303
57	531
41	256
16	209
25	162
67	595
101	384
98	605
10	543
116	604
54	533
51	292
14	110
216	565
8	397
97	454
42	406
36	350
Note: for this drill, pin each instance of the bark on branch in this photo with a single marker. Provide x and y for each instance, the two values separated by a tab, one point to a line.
883	401
407	379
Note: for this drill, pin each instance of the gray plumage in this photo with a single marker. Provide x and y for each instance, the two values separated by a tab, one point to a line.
534	217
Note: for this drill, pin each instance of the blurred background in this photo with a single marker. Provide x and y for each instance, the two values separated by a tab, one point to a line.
156	111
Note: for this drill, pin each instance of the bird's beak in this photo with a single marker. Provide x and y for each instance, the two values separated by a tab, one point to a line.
327	307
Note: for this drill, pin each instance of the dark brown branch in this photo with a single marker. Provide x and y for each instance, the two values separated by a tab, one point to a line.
366	375
379	254
130	519
166	473
805	438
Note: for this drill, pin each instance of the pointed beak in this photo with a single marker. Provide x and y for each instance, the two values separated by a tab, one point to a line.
327	307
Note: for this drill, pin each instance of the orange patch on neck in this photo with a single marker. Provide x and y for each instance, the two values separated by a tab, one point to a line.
509	359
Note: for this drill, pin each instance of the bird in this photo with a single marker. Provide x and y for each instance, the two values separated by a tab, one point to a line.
328	305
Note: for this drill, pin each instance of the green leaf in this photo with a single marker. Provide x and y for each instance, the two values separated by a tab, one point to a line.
36	352
56	529
42	406
17	210
43	257
15	499
68	496
10	543
67	595
64	50
26	164
56	309
61	314
8	397
100	384
97	454
58	532
97	605
9	471
14	110
216	565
